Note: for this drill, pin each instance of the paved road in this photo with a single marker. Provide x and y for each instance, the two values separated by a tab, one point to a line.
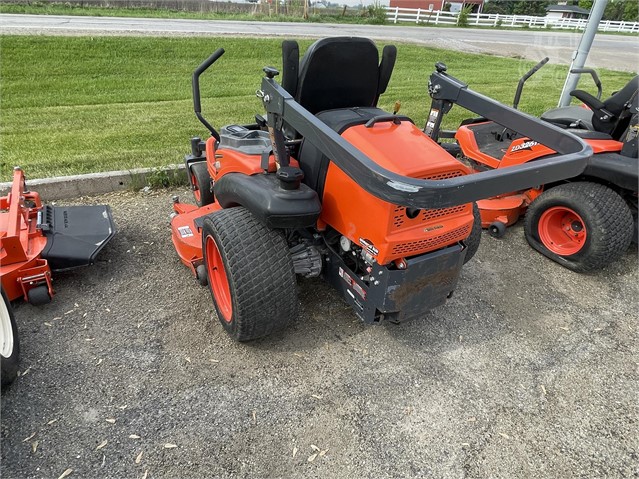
609	51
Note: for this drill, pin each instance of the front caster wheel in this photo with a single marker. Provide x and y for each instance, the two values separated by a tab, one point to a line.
582	226
201	276
9	344
250	274
39	295
497	229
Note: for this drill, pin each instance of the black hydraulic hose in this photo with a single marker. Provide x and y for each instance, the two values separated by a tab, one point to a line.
522	80
197	107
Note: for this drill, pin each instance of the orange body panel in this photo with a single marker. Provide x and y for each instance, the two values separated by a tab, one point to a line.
506	208
521	150
385	230
185	235
226	160
509	207
466	139
21	242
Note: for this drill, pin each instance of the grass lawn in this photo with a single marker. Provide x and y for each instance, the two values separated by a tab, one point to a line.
74	105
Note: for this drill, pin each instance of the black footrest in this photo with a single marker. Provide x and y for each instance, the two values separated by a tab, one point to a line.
75	234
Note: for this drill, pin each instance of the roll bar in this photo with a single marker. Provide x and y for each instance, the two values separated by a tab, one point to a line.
197	107
595	78
573	153
522	80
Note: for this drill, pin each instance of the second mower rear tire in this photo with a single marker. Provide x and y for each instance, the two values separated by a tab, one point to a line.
250	274
583	226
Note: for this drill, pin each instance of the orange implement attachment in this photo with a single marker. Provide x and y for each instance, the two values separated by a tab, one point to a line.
21	241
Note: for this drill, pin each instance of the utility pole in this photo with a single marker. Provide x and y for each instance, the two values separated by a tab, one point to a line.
579	56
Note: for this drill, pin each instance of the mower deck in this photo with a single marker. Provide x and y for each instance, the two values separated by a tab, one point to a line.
37	239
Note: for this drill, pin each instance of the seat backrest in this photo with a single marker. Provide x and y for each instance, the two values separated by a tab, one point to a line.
618	105
341	72
616	102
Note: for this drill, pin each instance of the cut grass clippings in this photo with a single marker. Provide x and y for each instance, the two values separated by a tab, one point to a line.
72	105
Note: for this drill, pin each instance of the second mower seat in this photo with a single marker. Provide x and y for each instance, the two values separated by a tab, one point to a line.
610	116
569	115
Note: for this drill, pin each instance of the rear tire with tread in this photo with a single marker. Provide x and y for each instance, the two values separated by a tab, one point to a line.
607	223
259	270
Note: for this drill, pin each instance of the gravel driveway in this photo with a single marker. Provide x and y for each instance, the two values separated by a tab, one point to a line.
528	371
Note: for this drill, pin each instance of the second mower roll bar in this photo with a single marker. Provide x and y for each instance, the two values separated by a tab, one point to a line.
573	153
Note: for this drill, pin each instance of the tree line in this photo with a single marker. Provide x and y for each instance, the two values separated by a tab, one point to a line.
618	10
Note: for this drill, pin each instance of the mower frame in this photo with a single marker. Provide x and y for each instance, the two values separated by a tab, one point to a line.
393	188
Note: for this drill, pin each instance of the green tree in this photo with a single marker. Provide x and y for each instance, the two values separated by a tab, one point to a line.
531	8
509	7
631	11
586	4
501	7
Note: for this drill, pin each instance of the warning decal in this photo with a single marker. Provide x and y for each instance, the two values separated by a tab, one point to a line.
185	231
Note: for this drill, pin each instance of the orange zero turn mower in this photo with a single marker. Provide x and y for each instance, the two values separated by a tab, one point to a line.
327	184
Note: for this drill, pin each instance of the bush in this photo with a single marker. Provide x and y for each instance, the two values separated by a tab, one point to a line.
376	13
462	18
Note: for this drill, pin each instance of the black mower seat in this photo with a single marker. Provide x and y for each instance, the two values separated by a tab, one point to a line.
589	134
341	72
568	115
610	116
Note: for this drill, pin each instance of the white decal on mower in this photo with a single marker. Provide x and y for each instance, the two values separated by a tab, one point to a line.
526	145
185	231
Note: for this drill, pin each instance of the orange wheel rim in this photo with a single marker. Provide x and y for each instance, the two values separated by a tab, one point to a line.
218	279
562	231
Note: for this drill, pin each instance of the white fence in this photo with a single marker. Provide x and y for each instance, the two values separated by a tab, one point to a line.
436	17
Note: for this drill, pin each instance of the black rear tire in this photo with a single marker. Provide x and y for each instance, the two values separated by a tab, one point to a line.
9	343
201	183
603	215
261	291
474	239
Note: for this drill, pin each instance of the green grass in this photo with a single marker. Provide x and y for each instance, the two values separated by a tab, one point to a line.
72	105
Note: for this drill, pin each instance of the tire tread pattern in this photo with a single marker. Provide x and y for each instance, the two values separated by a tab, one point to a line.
609	223
260	271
